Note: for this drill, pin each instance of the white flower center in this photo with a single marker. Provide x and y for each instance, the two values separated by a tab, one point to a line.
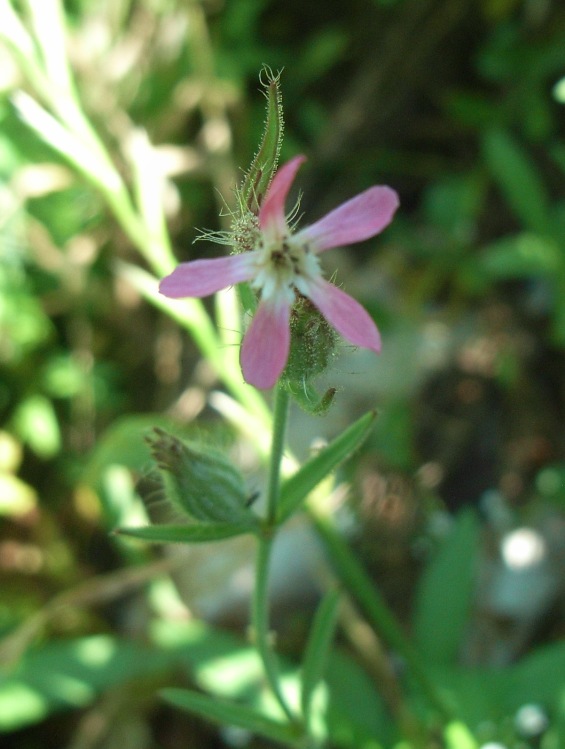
283	266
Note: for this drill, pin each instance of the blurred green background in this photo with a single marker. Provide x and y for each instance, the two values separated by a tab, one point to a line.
456	502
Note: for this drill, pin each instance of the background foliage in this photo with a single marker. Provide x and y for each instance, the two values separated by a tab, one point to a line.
459	106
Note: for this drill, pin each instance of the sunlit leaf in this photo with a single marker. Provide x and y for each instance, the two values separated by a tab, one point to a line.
458	736
70	674
36	423
295	490
229	714
16	497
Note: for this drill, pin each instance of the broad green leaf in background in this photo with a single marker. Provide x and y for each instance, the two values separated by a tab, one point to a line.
356	715
496	694
538	678
70	674
443	596
475	693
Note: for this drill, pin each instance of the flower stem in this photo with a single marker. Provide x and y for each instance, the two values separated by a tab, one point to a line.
260	603
280	416
260	619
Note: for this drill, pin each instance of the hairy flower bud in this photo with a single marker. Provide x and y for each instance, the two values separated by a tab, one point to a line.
312	347
312	343
203	481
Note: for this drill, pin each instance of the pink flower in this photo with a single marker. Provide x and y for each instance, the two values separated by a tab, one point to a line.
283	263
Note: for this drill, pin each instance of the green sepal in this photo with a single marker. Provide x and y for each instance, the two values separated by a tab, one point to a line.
311	401
312	346
200	480
226	713
295	489
257	179
318	648
264	163
187	534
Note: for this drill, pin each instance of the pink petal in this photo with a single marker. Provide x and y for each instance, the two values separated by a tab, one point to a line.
203	277
265	347
272	212
346	315
353	221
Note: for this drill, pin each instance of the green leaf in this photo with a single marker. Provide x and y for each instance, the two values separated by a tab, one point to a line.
295	489
558	316
318	647
356	714
521	256
444	593
518	179
229	713
187	534
48	21
458	736
224	666
16	497
538	678
550	483
36	423
264	164
149	183
83	156
70	674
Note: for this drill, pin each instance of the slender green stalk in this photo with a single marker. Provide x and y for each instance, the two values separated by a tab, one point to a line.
280	417
260	621
260	603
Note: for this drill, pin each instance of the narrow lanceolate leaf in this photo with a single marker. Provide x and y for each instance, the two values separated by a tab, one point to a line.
186	534
318	648
48	21
69	145
230	714
264	164
295	490
518	179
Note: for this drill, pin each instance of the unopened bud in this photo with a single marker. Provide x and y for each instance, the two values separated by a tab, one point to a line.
204	483
312	345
